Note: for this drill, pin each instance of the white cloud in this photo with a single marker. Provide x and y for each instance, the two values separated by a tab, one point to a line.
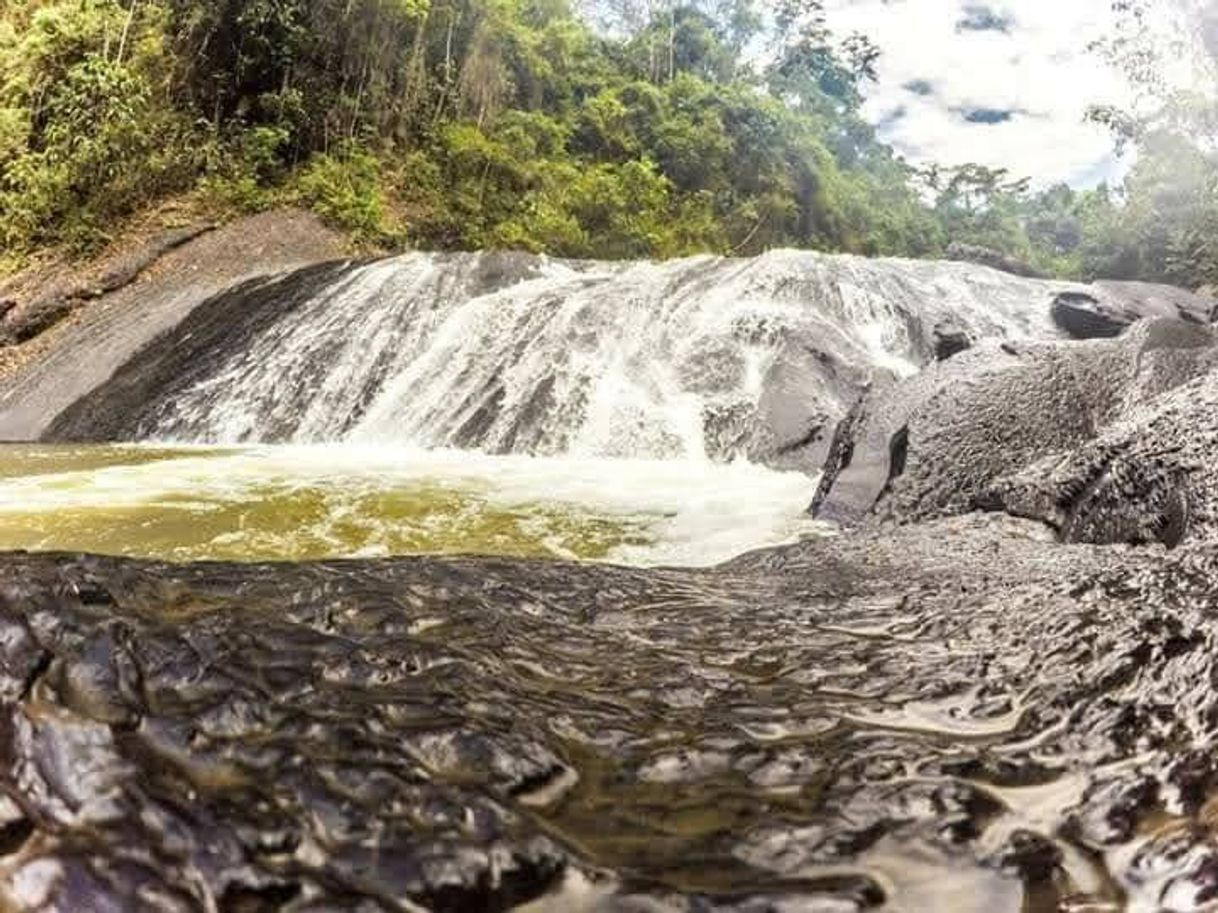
1040	69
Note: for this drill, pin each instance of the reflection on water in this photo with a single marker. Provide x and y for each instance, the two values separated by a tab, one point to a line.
300	503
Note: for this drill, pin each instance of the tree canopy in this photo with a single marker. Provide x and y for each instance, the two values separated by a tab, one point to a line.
611	128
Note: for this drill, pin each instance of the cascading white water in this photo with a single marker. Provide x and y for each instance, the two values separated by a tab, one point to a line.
637	412
686	359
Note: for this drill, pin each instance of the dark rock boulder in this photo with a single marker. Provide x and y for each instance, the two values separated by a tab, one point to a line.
863	457
948	340
926	445
1110	308
803	394
1082	316
499	269
1147	477
932	445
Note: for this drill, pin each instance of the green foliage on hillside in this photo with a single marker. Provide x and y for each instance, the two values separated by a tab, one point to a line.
88	127
1166	226
1059	231
452	123
621	129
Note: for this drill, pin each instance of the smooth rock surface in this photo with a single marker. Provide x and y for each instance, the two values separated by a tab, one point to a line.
59	366
932	445
26	320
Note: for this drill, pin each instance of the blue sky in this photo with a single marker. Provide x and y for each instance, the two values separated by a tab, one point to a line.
1003	83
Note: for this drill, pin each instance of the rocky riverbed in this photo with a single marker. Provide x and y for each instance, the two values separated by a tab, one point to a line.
960	715
993	690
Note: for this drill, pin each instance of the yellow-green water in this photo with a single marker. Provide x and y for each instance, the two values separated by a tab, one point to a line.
299	503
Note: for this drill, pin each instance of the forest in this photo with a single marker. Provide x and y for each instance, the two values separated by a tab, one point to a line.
610	129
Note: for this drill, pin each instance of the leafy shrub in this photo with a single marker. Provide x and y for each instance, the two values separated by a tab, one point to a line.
85	135
345	190
243	174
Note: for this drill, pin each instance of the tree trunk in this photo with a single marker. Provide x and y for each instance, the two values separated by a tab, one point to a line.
122	42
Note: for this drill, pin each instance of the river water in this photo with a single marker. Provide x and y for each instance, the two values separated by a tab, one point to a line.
299	502
644	414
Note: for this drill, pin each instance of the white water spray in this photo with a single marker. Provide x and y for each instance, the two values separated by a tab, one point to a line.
690	359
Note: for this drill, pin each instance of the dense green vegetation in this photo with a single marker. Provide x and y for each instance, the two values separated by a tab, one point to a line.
625	128
454	123
1166	226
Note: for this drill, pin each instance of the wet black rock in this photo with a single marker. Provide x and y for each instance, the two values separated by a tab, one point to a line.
961	715
503	268
1110	308
949	340
1084	317
862	459
936	444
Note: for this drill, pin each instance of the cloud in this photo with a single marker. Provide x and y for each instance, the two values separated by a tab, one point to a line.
979	18
1010	97
891	118
919	87
987	115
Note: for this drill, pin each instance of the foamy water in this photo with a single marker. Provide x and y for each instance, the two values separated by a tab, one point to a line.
334	501
679	360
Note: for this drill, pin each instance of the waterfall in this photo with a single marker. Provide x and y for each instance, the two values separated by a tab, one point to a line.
507	353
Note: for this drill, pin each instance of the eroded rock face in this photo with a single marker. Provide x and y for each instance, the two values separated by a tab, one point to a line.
934	445
1146	478
917	729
